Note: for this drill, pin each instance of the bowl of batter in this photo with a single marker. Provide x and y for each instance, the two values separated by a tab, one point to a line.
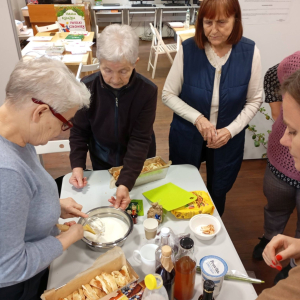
112	227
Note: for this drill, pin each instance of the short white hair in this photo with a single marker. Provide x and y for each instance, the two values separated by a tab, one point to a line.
117	43
46	80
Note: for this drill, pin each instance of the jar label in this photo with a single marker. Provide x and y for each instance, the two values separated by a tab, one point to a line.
213	266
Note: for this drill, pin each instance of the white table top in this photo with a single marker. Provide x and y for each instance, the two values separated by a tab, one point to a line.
78	257
157	6
97	7
178	7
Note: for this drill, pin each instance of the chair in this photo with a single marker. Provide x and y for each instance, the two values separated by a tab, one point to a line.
52	147
160	48
86	68
55	26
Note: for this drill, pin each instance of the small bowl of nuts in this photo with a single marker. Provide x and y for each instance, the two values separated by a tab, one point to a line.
205	227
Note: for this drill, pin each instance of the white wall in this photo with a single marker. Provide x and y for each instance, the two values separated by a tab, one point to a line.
16	8
275	41
10	49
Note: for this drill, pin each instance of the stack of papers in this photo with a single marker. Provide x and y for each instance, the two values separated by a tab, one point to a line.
80	50
85	33
55	50
40	38
33	52
27	32
76	42
75	48
40	45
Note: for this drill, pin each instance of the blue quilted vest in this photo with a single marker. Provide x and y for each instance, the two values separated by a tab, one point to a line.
197	89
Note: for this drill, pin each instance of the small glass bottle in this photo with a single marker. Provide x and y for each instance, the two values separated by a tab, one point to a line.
187	19
185	268
208	290
166	270
134	214
164	240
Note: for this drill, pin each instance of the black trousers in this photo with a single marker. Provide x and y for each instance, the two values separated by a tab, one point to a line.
218	199
207	155
31	289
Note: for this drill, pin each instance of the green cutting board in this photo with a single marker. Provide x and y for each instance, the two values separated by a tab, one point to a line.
170	196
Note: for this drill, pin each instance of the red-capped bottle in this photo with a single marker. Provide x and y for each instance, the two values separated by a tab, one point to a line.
134	214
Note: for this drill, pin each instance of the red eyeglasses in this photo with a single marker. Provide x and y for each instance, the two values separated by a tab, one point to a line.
66	124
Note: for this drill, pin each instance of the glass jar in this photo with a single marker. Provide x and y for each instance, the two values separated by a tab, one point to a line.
185	270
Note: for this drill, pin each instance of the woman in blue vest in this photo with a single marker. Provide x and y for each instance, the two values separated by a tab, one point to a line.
215	89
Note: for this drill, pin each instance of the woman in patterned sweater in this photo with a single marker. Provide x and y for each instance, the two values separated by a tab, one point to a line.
282	180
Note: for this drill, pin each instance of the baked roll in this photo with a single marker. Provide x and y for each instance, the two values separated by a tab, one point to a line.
89	292
110	281
105	286
96	283
120	279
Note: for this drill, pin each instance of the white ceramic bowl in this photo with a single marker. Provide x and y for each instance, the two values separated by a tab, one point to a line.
196	222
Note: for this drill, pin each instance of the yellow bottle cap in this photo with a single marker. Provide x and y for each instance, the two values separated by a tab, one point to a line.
150	282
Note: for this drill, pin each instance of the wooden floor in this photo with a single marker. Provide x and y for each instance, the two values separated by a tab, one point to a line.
243	215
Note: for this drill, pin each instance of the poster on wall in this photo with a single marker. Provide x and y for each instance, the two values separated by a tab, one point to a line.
70	17
265	11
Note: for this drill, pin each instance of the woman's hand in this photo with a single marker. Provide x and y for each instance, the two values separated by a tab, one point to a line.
275	109
122	198
74	234
207	129
223	136
77	178
70	209
71	223
280	248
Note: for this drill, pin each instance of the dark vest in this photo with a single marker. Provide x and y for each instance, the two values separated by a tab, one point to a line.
197	89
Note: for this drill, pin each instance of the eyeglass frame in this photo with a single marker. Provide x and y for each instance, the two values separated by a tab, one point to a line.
67	124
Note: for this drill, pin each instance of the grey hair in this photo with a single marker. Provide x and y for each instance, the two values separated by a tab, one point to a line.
47	80
117	43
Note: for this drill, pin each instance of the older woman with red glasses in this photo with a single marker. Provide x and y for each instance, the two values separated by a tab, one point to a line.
215	89
41	97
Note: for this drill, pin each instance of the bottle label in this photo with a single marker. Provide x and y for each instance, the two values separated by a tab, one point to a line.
214	268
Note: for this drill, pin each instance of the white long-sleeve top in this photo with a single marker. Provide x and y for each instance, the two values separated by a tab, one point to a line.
174	81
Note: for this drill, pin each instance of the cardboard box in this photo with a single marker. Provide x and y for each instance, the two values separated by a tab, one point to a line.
112	260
